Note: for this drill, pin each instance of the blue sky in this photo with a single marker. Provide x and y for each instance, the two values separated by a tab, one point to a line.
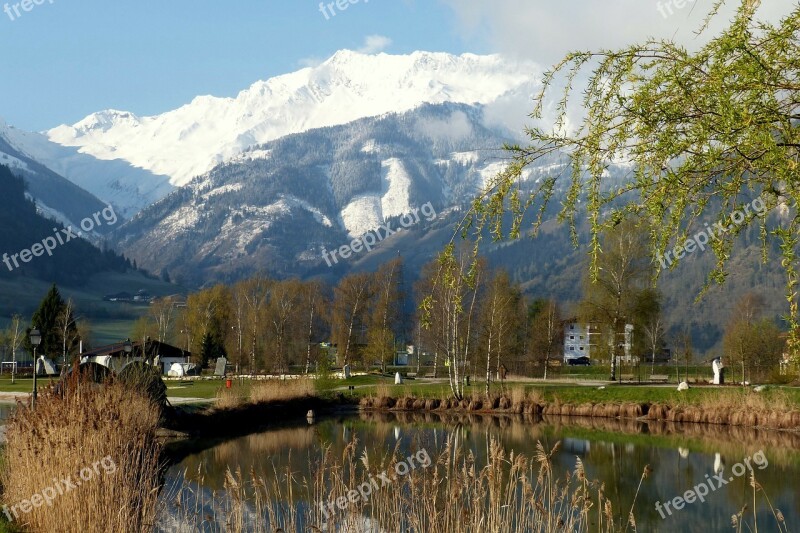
65	59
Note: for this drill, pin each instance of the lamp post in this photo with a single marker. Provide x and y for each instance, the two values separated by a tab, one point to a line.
36	339
127	347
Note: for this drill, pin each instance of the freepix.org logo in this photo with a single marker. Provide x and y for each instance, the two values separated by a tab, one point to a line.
370	239
16	10
60	237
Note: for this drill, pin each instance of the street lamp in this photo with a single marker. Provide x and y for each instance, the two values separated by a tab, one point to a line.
36	340
127	347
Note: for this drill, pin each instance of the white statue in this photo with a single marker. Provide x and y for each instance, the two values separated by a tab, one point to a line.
719	379
719	464
398	379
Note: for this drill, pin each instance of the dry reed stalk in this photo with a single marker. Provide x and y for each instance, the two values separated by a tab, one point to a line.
229	398
282	390
510	493
85	427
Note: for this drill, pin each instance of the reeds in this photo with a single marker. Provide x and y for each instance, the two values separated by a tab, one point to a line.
276	390
282	390
101	439
511	492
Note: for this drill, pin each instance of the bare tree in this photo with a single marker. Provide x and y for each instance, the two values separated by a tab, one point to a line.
651	323
283	310
547	332
65	322
500	318
350	305
623	270
16	334
385	315
256	292
163	312
313	302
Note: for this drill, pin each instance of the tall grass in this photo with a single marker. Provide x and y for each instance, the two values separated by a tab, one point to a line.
274	390
510	493
282	390
71	431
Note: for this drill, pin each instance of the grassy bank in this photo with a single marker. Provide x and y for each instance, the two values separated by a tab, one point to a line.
776	408
244	409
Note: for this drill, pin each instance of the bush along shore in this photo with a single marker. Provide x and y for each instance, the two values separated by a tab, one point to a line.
740	409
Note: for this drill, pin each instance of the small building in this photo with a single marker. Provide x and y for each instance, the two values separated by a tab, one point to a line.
157	353
579	339
582	340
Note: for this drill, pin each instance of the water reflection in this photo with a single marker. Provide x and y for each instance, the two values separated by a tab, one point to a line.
615	452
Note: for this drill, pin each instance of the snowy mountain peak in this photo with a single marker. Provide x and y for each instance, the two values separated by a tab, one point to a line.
104	121
190	140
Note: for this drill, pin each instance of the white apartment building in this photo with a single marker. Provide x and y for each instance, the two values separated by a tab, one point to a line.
581	339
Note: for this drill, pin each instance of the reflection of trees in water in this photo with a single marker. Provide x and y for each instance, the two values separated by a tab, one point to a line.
613	451
290	447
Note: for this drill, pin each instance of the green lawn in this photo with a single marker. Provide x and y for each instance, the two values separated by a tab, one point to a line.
21	385
202	388
110	330
550	392
572	394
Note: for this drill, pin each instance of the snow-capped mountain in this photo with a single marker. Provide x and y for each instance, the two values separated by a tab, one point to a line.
189	141
113	181
55	197
278	206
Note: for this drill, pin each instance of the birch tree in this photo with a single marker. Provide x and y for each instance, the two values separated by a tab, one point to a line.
15	333
458	281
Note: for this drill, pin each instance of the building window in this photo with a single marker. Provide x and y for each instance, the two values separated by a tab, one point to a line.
581	337
581	348
572	326
572	337
571	348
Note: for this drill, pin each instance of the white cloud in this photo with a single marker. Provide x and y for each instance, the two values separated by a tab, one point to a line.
545	30
374	44
310	62
456	126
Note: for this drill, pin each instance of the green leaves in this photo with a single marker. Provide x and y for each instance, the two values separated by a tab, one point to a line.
703	133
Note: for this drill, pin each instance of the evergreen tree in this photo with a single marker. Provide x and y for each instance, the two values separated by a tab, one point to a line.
46	319
211	349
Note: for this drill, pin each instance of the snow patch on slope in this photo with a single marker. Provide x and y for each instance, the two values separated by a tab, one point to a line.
367	212
182	219
233	187
362	214
12	162
397	183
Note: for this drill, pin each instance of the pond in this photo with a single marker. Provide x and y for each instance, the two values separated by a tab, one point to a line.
710	461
